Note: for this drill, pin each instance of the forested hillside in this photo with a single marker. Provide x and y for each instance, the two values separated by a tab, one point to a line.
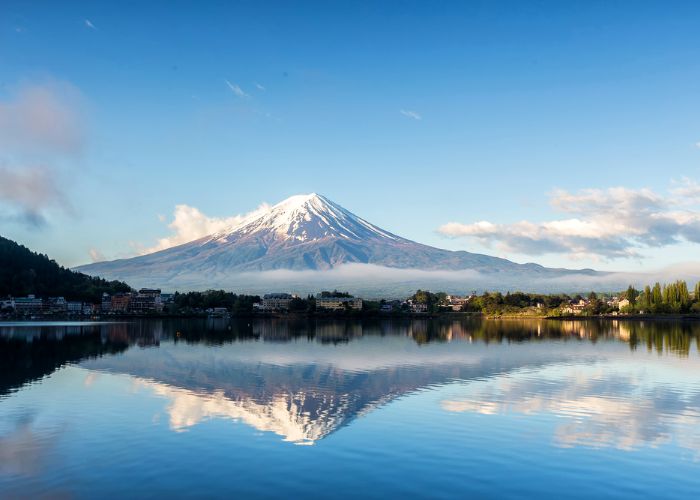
24	272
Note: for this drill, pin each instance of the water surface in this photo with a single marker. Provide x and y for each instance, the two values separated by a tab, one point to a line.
270	408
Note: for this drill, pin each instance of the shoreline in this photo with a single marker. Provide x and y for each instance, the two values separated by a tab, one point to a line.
355	315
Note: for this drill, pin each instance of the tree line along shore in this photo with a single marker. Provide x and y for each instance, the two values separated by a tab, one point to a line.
667	300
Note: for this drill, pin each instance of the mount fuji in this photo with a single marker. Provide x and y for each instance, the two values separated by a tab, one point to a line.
308	241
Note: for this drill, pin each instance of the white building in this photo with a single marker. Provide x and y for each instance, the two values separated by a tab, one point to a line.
575	308
419	307
276	302
338	303
74	307
29	304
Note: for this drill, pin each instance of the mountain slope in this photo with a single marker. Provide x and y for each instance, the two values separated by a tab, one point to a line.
302	233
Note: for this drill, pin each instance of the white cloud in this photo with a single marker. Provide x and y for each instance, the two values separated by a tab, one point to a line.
411	114
259	87
236	89
89	24
190	224
603	223
96	255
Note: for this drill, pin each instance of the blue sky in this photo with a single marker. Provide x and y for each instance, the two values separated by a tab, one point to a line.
410	114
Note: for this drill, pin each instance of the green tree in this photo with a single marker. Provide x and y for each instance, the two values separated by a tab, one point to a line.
647	297
656	296
595	305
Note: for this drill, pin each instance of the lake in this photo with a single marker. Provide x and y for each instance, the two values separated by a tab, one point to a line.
386	408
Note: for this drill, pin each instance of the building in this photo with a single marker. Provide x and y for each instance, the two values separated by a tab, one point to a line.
575	308
338	303
218	312
147	300
613	302
418	307
28	305
7	305
120	302
456	303
276	302
106	305
623	303
56	305
73	307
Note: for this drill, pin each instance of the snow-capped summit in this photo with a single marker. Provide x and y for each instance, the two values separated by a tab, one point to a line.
305	217
309	232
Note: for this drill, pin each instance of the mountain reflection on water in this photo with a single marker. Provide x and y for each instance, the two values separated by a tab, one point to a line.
304	380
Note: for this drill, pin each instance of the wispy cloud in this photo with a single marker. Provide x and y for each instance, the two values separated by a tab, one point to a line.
603	223
41	127
89	24
42	118
411	114
686	190
259	87
238	91
27	192
189	224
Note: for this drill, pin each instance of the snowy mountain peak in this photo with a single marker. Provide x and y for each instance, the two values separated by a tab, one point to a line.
306	217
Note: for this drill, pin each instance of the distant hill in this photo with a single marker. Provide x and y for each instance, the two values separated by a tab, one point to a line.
25	272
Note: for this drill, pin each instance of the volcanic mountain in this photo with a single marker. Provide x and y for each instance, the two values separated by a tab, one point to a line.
312	233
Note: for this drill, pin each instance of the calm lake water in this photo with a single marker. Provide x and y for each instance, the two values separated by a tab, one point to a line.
425	408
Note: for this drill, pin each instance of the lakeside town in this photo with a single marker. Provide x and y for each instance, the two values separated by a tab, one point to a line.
673	298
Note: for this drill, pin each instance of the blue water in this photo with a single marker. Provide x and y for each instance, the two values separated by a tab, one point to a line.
271	408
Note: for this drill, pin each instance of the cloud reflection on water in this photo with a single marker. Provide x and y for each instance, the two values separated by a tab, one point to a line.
24	449
599	406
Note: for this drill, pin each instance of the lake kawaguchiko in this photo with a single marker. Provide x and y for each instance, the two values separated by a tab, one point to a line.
387	408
